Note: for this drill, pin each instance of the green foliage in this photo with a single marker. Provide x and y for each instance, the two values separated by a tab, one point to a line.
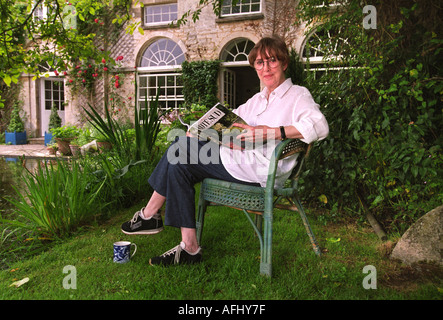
295	69
147	126
56	199
65	195
384	148
54	119
200	82
27	42
108	129
16	122
65	132
147	131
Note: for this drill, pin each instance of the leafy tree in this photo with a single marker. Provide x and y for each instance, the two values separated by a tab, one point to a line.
383	153
68	32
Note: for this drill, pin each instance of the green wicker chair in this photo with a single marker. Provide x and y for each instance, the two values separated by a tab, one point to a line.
260	200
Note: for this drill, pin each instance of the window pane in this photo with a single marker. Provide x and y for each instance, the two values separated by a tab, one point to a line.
168	86
163	13
241	7
163	52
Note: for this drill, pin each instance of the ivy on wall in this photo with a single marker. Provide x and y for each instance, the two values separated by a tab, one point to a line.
200	82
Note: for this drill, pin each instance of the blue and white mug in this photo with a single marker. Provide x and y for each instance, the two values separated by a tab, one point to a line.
122	251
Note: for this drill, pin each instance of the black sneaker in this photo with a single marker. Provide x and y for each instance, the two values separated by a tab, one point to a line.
177	255
138	225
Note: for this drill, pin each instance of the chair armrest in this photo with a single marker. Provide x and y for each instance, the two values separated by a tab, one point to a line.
284	149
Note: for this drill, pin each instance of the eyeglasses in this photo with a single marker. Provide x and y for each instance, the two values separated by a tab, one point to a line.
272	63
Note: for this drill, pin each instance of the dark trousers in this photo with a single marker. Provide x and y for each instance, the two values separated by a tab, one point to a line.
187	162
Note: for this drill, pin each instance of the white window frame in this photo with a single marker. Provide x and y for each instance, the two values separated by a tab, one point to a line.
170	95
161	56
60	102
241	5
318	57
40	13
164	65
236	51
167	13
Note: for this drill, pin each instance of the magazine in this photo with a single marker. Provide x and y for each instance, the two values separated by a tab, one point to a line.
217	125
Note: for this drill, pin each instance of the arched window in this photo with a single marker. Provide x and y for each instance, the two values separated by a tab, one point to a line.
158	74
238	81
322	47
237	50
163	52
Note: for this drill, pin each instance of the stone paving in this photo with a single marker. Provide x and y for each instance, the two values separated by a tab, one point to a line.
27	150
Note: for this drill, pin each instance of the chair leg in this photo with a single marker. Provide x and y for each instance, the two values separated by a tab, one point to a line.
266	250
308	229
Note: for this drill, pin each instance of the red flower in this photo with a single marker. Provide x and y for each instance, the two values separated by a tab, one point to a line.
116	84
103	60
96	20
65	73
119	58
105	68
70	80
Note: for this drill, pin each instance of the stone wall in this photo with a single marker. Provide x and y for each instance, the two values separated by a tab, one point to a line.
203	39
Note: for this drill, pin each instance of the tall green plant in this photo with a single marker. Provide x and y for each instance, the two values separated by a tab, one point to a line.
147	126
110	129
16	122
57	198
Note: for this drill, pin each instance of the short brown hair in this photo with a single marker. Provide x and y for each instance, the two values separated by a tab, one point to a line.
270	46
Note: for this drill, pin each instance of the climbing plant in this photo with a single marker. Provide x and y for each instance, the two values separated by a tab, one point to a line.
200	82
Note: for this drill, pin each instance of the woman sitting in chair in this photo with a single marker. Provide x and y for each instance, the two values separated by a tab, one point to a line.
281	110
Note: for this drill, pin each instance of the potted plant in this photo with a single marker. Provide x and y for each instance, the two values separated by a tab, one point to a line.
64	135
75	145
54	122
52	148
103	143
15	133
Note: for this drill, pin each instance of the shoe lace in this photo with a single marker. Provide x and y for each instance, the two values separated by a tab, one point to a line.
135	217
176	251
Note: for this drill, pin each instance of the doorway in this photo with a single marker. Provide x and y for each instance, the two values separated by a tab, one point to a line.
238	84
52	93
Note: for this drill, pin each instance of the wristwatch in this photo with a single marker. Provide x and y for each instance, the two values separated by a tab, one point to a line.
283	133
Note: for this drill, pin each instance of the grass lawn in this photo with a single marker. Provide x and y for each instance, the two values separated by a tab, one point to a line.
230	270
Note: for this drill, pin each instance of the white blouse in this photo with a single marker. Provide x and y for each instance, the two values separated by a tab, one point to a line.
288	105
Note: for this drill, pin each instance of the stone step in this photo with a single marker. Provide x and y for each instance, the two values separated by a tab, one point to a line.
40	140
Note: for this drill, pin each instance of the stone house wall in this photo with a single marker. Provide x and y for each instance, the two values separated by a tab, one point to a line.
204	39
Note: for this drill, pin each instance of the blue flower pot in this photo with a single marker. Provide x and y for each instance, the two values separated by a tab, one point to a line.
48	138
15	137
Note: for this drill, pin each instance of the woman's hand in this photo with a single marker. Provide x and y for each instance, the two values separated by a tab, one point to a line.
255	134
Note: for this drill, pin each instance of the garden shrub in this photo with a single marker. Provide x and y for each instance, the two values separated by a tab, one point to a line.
200	82
383	152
